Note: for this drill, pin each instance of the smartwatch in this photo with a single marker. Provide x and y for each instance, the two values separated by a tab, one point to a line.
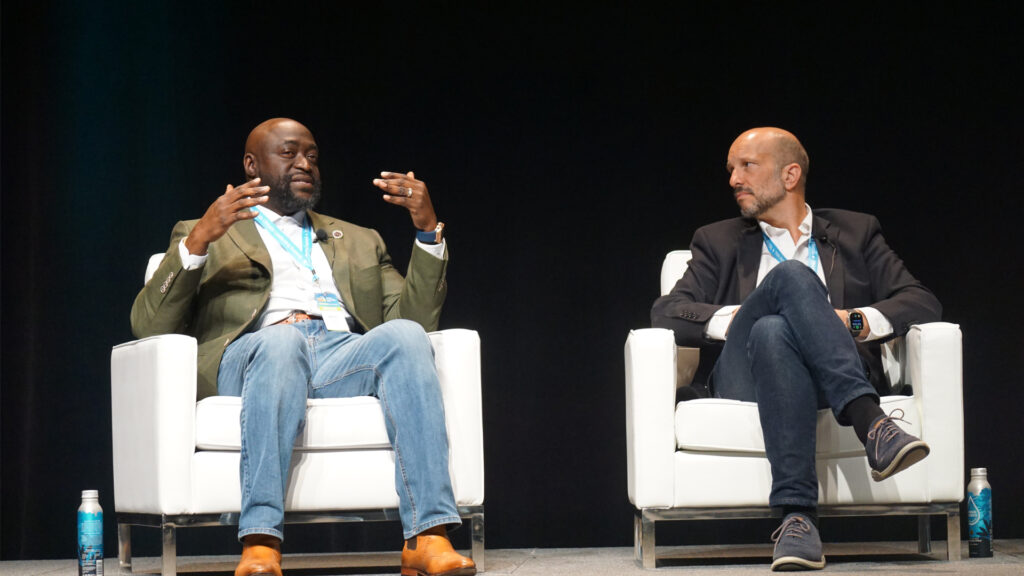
855	321
432	237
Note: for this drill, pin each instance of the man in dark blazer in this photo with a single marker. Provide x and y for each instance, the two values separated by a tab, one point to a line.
789	306
287	304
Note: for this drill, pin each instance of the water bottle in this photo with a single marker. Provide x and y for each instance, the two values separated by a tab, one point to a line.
979	514
90	535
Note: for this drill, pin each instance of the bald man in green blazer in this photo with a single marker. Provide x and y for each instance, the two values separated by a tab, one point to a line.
288	304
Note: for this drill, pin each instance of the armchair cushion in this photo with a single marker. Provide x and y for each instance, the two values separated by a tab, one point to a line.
731	426
217	424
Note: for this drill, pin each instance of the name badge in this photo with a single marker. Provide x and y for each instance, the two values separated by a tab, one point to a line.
332	311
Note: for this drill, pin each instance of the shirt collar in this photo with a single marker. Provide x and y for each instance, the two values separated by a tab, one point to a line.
773	232
298	218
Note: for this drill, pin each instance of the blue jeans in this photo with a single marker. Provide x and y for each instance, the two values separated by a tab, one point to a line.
788	351
276	368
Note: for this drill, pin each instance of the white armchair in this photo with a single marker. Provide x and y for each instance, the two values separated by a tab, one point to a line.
704	459
176	460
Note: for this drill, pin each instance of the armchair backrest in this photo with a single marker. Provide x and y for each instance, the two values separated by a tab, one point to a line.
154	262
673	268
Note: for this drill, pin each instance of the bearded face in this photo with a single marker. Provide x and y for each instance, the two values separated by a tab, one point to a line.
284	155
283	196
762	198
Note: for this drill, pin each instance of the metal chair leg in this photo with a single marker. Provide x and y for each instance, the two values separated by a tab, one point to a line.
169	555
477	538
636	536
953	535
924	534
124	546
647	557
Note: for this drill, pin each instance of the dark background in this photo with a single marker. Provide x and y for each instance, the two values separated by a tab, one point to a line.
566	149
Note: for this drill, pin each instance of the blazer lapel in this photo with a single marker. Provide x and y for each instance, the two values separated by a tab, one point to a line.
247	238
337	255
748	260
826	237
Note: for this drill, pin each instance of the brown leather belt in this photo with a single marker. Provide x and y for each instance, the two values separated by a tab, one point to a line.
296	317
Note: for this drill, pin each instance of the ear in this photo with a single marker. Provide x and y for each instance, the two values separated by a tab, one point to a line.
249	165
791	175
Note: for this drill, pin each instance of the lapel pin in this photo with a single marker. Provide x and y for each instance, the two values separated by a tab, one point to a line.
337	234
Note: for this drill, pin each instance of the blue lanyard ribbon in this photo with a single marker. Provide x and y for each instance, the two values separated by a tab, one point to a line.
812	252
304	256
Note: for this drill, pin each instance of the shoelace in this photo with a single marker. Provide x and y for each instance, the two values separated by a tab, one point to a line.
887	428
795	526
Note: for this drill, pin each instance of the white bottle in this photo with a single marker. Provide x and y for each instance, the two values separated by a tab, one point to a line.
90	535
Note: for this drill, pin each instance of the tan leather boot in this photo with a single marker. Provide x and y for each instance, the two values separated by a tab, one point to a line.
431	554
261	556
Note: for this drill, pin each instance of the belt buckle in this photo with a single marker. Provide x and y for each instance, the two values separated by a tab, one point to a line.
295	317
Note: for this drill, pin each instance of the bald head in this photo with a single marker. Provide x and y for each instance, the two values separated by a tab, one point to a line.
284	155
781	145
259	135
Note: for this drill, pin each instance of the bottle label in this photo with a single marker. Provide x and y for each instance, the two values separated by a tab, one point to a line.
90	543
979	523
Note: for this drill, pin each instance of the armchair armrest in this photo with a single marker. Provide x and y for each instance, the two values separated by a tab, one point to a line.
153	402
650	417
457	357
935	371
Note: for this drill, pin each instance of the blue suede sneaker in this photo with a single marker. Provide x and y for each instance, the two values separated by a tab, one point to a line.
890	449
797	545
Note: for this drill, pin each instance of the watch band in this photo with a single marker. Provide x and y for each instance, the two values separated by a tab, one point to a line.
432	237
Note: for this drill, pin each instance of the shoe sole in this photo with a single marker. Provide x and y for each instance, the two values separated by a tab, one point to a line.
794	563
911	454
456	572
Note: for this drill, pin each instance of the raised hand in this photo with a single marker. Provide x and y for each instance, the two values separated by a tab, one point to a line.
231	207
405	190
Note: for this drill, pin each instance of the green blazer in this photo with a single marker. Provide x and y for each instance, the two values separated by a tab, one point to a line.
222	299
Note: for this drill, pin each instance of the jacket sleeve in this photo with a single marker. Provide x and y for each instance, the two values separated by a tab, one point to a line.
164	305
421	294
687	309
900	297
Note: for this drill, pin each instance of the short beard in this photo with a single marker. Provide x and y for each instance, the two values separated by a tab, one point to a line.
284	201
761	204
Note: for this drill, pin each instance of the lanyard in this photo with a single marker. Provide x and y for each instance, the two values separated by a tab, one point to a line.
304	256
812	252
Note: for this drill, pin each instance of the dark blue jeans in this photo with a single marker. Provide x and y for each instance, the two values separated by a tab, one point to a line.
788	351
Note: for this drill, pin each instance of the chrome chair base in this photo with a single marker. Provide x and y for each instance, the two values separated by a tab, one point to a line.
645	519
169	524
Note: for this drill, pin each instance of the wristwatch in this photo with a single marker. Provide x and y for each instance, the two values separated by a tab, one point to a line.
855	322
433	237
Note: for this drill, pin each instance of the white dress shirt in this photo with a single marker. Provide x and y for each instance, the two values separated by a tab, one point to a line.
718	327
293	288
